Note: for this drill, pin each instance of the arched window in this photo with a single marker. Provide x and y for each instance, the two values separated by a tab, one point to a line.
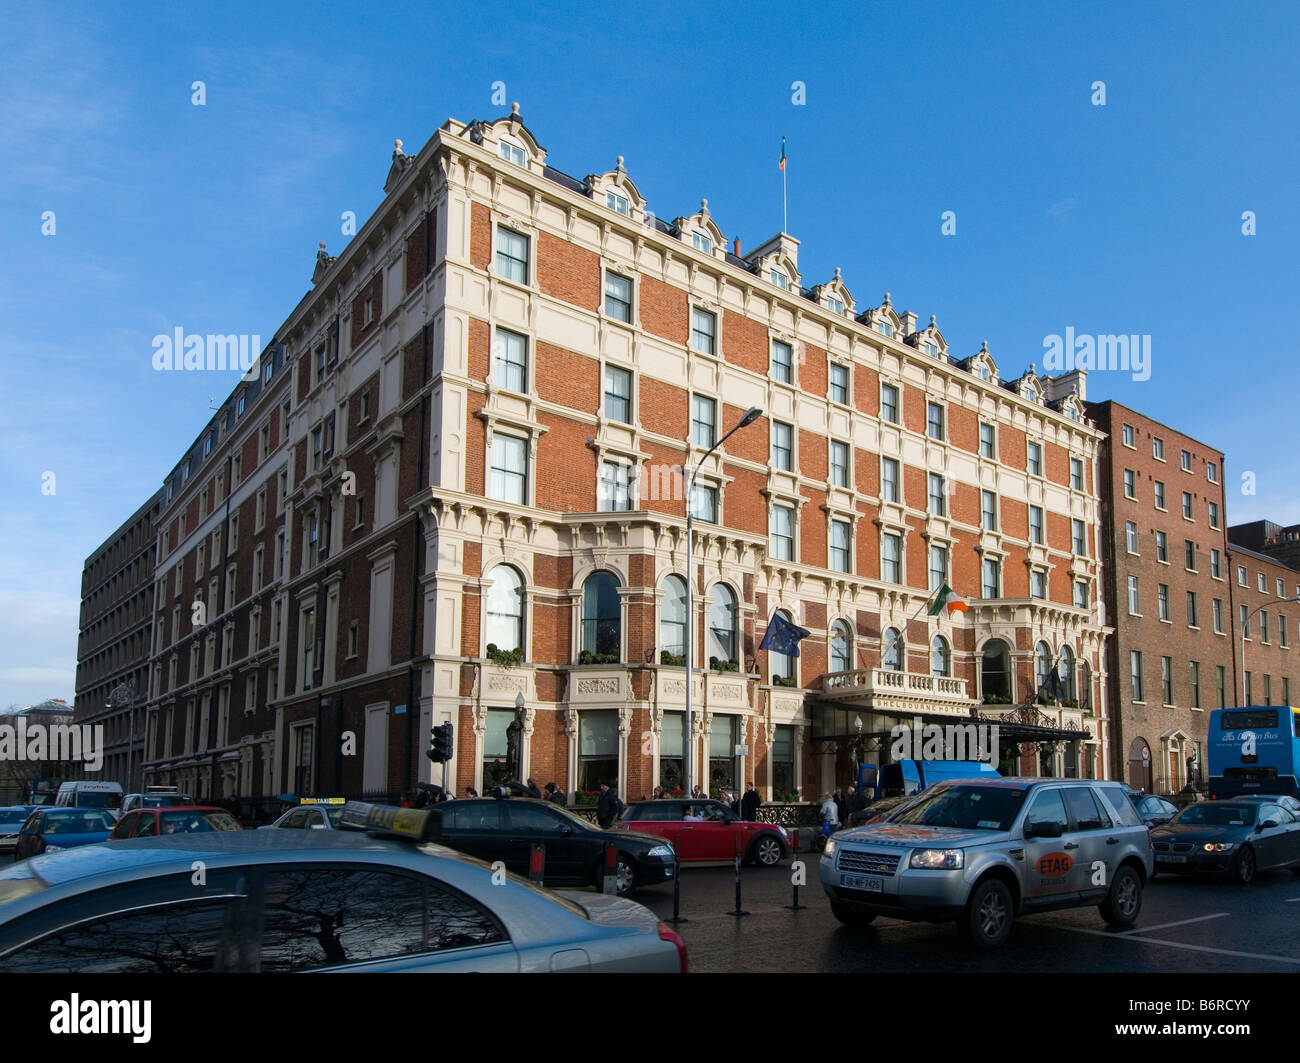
995	672
505	608
1042	667
841	648
940	659
722	623
1085	686
672	618
1066	671
601	615
782	665
892	650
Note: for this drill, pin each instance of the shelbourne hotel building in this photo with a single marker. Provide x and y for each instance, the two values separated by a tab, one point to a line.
453	491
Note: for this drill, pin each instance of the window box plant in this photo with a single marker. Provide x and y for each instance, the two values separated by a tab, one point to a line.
505	658
673	660
587	657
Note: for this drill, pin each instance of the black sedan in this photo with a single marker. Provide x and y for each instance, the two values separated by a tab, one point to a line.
505	830
1235	838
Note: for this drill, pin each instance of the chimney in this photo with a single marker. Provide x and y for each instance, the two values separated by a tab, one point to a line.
737	246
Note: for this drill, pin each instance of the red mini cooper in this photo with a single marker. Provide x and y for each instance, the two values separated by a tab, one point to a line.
707	830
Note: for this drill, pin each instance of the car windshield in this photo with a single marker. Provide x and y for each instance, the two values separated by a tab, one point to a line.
968	807
573	818
1213	814
161	800
197	822
76	821
13	815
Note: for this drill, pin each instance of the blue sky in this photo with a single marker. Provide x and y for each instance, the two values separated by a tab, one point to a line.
1123	218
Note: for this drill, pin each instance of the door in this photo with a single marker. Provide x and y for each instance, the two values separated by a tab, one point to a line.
1097	838
712	838
374	776
1051	864
566	851
1274	845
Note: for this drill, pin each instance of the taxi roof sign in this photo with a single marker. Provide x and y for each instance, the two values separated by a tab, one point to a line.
389	821
293	799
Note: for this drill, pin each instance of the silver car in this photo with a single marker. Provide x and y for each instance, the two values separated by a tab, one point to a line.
12	818
308	901
982	851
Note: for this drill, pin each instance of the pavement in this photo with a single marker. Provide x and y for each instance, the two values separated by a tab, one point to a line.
1186	925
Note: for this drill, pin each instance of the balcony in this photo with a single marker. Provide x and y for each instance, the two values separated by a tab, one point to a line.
898	692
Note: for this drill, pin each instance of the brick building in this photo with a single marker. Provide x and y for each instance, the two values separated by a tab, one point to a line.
1167	595
453	491
115	640
1265	612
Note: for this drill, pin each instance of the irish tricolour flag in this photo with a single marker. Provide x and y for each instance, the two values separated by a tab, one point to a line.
949	599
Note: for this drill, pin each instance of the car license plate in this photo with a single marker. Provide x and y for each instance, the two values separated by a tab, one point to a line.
1169	858
858	882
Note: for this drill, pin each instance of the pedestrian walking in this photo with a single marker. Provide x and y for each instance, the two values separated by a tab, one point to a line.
608	806
749	804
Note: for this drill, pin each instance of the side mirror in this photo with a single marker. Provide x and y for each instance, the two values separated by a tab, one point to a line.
1266	825
1045	830
566	831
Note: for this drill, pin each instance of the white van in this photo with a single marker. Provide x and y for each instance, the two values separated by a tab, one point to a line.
87	794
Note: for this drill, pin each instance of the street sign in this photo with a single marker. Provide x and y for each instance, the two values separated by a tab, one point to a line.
742	751
1146	754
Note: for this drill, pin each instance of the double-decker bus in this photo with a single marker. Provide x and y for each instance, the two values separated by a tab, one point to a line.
1254	750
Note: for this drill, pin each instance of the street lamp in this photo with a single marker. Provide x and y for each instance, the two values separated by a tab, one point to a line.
751	415
1245	626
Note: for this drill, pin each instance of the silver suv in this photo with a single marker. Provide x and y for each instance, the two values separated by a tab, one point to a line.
981	851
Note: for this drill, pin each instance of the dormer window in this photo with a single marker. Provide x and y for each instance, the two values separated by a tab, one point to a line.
1071	413
835	306
885	328
982	371
239	405
702	243
207	445
780	279
931	349
512	153
617	203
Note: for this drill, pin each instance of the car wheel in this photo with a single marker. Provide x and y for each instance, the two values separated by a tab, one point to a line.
851	916
986	922
1124	901
766	851
1244	871
625	877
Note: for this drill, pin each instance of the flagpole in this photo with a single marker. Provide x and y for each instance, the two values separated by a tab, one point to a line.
903	630
785	219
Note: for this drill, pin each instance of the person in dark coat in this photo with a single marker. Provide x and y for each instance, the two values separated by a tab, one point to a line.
842	805
606	806
749	804
857	800
554	793
532	789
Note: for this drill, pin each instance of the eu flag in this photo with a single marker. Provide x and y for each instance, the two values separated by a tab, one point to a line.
783	636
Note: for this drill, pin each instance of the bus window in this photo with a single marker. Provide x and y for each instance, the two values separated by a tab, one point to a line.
1246	718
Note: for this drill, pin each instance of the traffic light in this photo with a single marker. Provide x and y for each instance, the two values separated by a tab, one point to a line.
441	750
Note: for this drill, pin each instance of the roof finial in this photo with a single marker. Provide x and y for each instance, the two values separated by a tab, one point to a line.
514	110
397	144
932	321
620	163
322	245
837	273
886	298
1033	369
704	206
984	346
